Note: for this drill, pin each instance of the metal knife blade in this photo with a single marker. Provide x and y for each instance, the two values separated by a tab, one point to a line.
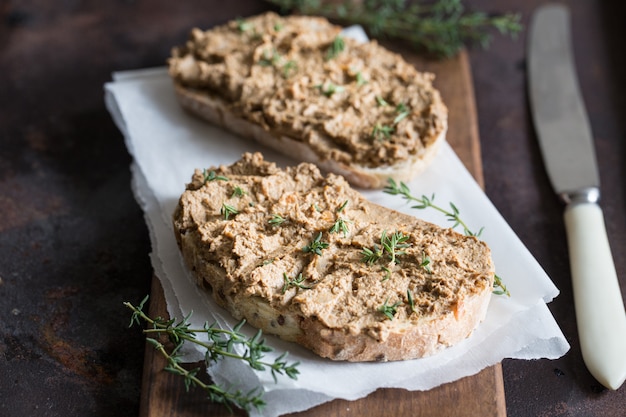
566	143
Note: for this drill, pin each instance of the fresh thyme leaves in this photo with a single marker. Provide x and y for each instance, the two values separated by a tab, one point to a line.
336	47
296	282
276	220
227	211
340	225
452	215
289	68
238	192
391	244
328	88
409	296
316	246
402	111
502	290
243	26
212	176
381	131
389	310
426	263
371	256
381	101
269	58
220	344
439	27
360	80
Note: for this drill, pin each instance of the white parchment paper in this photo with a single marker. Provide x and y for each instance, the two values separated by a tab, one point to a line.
167	145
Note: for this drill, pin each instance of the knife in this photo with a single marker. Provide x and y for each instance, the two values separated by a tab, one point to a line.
566	144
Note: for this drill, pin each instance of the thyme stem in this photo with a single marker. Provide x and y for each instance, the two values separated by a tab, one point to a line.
220	344
440	27
453	215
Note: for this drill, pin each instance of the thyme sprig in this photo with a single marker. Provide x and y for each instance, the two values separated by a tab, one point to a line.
409	296
371	256
384	131
392	244
440	27
316	246
381	131
295	282
453	215
238	192
328	88
220	344
276	220
389	310
212	176
341	224
336	47
426	261
227	210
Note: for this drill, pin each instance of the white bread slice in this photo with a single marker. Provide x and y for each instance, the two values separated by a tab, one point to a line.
365	114
251	265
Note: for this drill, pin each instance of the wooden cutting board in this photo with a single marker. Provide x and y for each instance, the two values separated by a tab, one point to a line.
163	394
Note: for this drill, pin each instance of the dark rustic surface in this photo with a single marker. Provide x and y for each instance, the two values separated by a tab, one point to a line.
73	244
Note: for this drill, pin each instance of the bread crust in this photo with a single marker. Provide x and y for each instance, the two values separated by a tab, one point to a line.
245	263
411	141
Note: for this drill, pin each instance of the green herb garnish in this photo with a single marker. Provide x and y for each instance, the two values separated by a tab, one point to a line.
371	256
276	220
221	344
316	246
439	27
289	68
238	192
243	26
403	111
389	310
409	297
381	101
394	244
328	88
227	211
497	283
336	47
296	282
360	80
340	225
426	261
381	131
212	176
453	215
269	58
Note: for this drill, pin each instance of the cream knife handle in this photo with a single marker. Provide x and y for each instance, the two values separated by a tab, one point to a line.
598	301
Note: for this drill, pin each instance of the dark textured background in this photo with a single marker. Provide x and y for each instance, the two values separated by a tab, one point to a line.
74	246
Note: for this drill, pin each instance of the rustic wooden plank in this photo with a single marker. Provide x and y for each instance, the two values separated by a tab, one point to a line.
163	394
